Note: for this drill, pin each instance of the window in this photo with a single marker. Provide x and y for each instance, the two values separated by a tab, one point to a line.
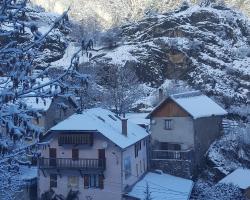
86	181
112	117
93	181
101	181
137	148
53	180
127	167
137	172
73	182
168	124
140	167
75	154
144	165
170	146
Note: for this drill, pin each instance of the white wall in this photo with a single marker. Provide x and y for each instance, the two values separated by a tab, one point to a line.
142	156
112	174
182	132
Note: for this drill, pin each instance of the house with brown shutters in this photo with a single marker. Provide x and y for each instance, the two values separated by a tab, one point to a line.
182	128
96	153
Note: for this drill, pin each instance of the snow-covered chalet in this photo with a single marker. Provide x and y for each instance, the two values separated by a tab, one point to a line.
96	153
182	128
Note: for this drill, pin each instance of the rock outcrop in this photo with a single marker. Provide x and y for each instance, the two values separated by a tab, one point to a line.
206	46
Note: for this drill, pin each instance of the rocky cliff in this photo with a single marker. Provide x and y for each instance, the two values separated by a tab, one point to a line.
208	47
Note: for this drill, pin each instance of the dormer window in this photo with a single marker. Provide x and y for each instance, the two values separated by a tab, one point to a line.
168	124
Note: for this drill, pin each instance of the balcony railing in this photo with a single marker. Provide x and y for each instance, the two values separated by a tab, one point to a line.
69	163
75	139
172	154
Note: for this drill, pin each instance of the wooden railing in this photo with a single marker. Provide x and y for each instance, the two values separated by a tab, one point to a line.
75	139
172	154
69	163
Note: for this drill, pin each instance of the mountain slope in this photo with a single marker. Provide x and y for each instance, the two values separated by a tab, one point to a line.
207	47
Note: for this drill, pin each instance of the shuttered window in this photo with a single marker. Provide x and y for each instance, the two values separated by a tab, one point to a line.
86	181
53	180
101	181
75	154
168	124
93	181
137	148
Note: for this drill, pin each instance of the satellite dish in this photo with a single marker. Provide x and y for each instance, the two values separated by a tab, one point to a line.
105	145
153	122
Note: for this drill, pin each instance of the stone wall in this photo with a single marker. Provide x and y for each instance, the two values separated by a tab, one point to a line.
181	168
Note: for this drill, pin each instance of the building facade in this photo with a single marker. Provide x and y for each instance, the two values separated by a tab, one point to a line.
95	153
183	126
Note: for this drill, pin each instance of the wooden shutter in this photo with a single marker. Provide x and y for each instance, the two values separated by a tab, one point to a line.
52	156
75	154
101	181
53	180
86	181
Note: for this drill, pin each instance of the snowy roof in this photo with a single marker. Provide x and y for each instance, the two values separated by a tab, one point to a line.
104	122
138	118
28	173
240	177
162	186
41	104
195	103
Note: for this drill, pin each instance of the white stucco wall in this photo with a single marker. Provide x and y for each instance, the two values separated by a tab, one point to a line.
182	131
141	158
112	182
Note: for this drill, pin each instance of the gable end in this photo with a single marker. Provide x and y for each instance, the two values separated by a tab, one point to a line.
169	108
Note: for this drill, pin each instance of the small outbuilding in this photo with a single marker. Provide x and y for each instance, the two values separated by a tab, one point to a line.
159	186
240	178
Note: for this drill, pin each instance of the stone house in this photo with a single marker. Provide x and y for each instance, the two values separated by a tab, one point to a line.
239	178
53	110
182	128
96	153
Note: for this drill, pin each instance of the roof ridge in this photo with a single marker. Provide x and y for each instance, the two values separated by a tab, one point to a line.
187	94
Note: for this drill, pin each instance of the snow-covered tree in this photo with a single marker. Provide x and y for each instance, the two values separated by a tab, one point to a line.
21	45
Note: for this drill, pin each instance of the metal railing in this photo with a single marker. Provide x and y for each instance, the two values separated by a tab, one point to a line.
172	154
69	163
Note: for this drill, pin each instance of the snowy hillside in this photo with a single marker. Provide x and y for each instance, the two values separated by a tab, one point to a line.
207	47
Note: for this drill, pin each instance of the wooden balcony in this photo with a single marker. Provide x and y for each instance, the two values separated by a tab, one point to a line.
75	139
172	154
69	163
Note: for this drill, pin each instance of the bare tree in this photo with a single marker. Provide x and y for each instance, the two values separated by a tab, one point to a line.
121	85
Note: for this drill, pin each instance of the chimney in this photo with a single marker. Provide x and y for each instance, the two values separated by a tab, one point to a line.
161	95
124	125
